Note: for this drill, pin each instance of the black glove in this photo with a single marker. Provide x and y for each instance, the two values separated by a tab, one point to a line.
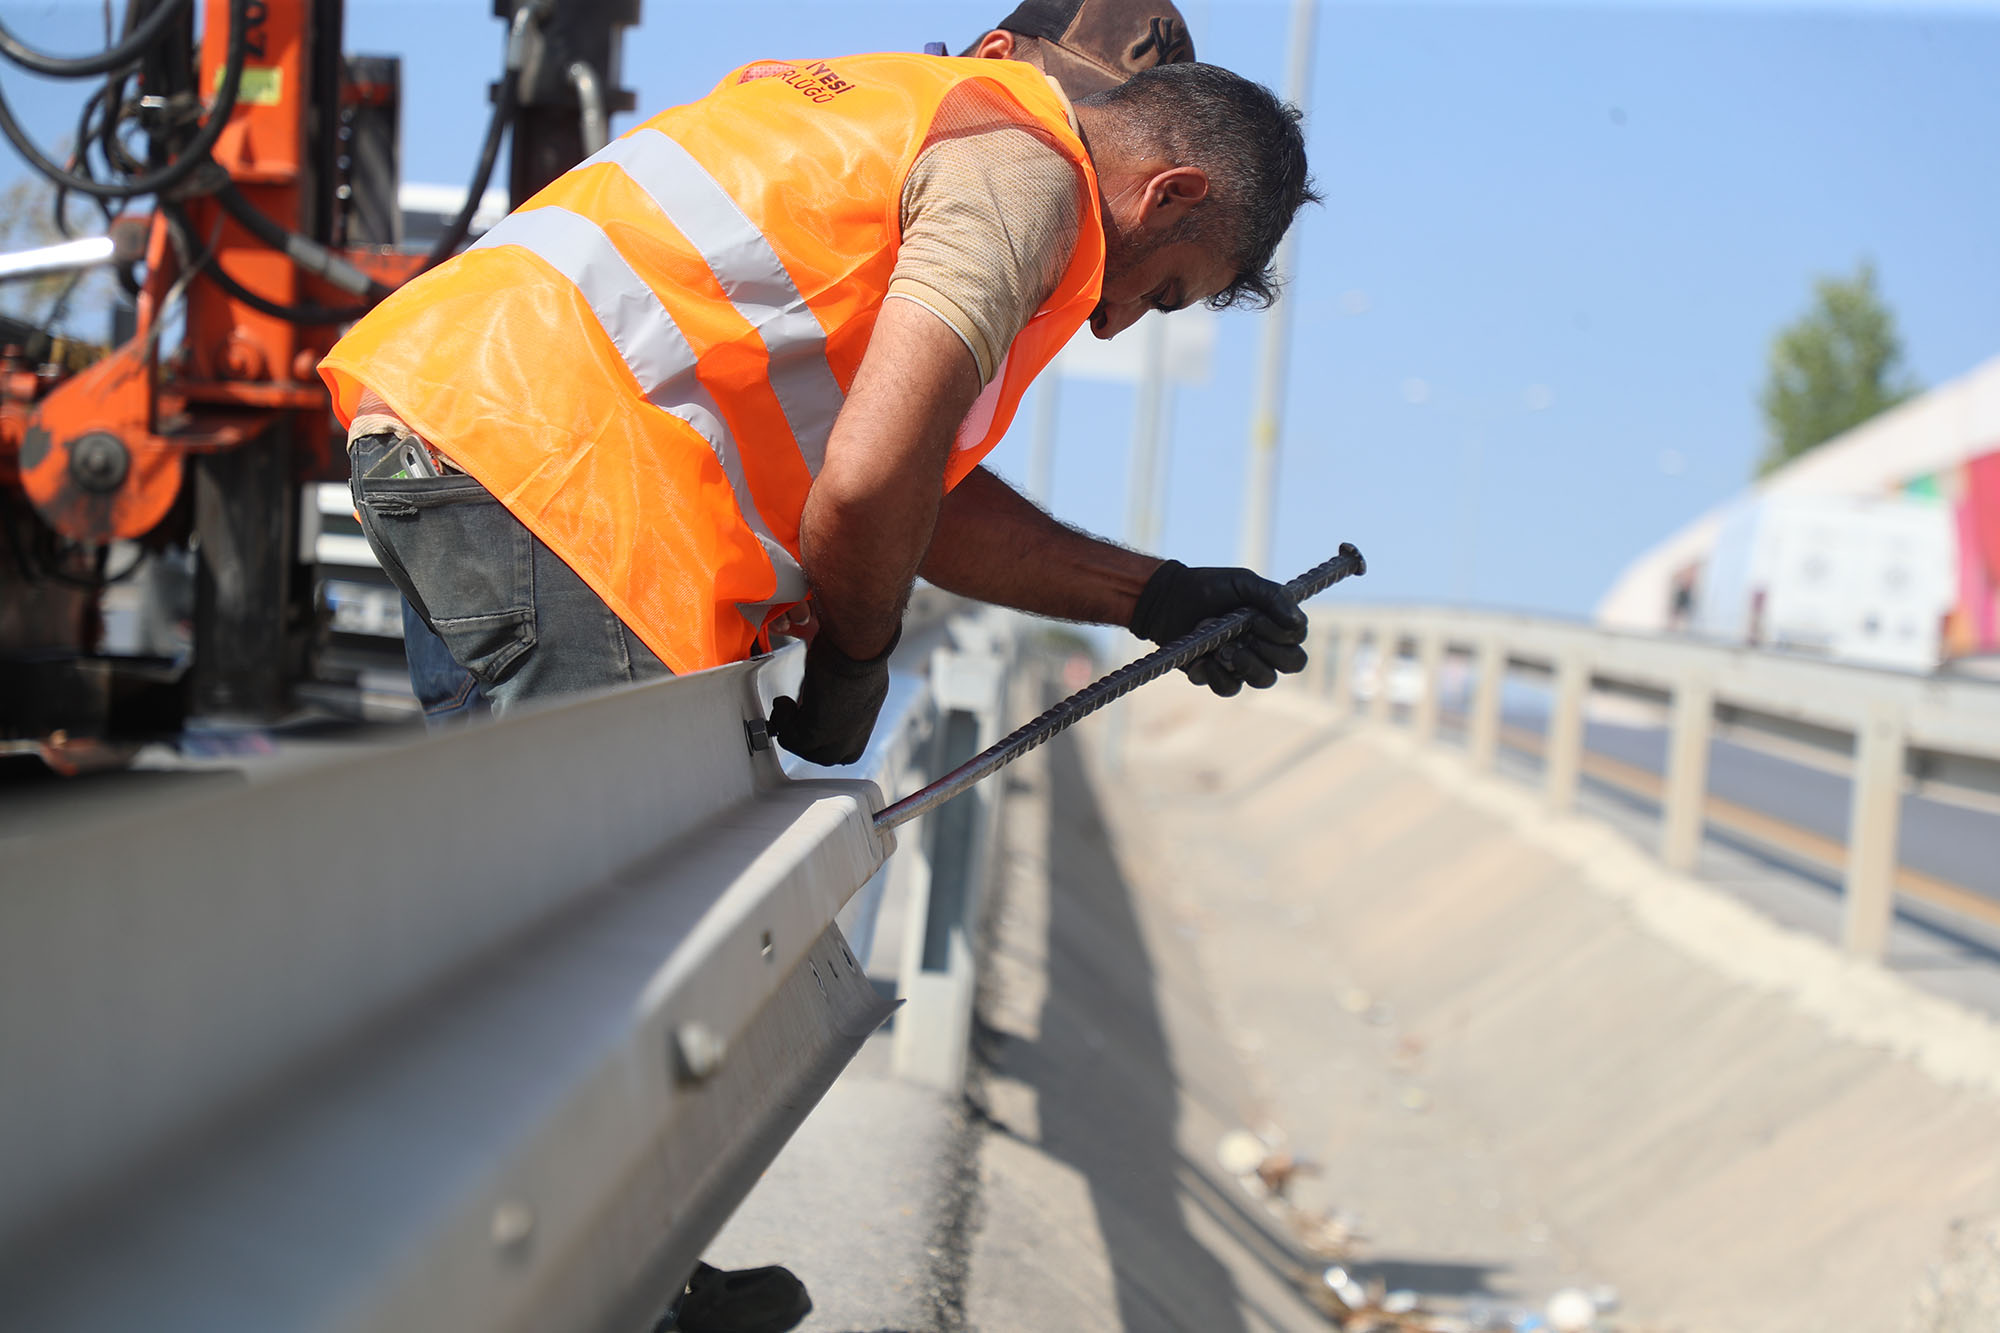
832	718
1178	599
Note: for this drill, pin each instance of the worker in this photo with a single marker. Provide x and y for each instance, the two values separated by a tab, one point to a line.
645	463
1085	46
749	357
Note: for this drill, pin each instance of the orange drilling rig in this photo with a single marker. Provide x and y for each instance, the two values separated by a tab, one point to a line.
246	171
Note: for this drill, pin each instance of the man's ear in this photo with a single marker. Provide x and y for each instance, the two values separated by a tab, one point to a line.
995	45
1171	195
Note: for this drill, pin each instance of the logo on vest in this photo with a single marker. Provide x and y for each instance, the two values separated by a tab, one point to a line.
817	82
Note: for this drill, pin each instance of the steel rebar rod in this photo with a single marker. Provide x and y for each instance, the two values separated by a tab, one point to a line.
1110	688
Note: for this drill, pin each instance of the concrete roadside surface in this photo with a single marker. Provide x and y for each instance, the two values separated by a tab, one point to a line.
1520	1047
1073	1187
1510	1053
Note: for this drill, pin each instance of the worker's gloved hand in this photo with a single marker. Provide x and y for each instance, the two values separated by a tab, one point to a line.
830	721
1178	599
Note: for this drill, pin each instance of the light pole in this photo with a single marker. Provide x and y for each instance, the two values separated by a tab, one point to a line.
1142	519
1260	490
1042	443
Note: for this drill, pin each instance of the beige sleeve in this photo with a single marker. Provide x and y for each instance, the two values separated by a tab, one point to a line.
989	224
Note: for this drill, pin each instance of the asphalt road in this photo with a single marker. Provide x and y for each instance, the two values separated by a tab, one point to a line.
1953	842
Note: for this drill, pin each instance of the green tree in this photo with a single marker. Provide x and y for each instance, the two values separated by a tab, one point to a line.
1837	366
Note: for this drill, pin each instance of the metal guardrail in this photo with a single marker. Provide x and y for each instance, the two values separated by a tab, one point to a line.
1894	726
489	1032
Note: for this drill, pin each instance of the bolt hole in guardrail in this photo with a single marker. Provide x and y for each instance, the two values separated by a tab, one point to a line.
698	1051
513	1226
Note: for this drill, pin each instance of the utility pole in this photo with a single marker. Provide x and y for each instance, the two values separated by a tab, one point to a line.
1142	484
1149	411
1042	443
1260	491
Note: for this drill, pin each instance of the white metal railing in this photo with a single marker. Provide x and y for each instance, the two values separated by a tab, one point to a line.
1894	724
487	1032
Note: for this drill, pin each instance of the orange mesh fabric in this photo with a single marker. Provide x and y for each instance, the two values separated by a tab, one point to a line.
501	359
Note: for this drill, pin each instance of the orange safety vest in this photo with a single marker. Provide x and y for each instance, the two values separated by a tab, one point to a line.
644	361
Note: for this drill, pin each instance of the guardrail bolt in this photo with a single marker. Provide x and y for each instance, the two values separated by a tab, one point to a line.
699	1050
512	1226
758	733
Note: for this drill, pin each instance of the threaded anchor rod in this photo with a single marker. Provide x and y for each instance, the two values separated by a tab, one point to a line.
1110	688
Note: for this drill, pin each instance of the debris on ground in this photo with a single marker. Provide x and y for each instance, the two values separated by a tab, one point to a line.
1962	1292
1352	1303
1354	1306
1266	1169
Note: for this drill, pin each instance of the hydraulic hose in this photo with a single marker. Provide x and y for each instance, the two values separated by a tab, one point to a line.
212	269
504	106
303	251
191	157
128	50
317	259
291	314
1109	689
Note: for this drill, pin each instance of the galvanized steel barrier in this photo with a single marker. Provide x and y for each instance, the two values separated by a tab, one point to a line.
1894	726
489	1032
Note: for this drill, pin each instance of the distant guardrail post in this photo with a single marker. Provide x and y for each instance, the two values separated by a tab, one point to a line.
1685	800
1430	661
1482	736
937	977
1388	645
1340	690
1562	752
1321	655
1872	831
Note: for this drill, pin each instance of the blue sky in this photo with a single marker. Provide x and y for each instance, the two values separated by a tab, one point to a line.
1607	208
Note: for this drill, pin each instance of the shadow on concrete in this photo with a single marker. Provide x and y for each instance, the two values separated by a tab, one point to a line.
1430	1278
1314	744
1104	1076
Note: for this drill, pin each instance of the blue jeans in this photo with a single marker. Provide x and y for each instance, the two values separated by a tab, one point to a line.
506	609
448	692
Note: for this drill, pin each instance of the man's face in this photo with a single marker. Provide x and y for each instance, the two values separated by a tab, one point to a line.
1153	258
1153	271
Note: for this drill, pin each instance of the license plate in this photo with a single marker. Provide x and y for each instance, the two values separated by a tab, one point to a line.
360	608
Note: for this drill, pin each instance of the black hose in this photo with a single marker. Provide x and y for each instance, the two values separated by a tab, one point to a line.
317	259
192	156
212	269
128	51
291	314
303	251
322	262
504	107
110	97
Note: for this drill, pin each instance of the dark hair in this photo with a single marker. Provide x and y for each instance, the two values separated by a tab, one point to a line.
1245	139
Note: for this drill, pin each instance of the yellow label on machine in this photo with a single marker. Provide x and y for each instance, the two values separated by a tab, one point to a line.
262	85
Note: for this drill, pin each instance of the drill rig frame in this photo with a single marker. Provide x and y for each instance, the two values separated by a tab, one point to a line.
269	166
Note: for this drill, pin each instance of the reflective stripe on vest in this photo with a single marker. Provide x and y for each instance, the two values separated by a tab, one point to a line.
750	275
656	352
645	364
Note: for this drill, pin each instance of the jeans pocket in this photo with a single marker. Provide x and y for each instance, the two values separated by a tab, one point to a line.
466	564
488	646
